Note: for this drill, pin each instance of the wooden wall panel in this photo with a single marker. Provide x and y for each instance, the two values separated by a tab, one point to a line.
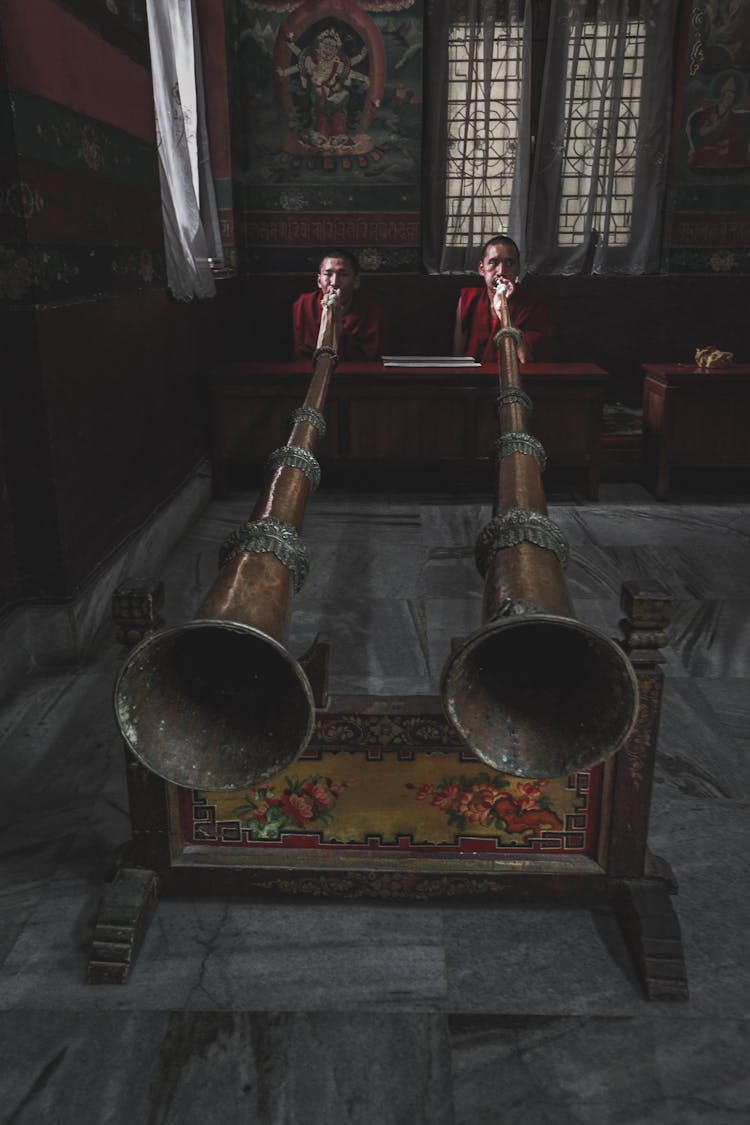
408	427
100	410
123	410
255	429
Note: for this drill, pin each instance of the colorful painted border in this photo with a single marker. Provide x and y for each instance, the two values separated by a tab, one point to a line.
46	273
433	788
46	132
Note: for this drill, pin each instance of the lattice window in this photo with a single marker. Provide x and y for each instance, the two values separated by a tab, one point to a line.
604	70
603	95
482	128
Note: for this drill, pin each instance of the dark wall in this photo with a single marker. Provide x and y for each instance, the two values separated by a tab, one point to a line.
123	416
621	323
99	407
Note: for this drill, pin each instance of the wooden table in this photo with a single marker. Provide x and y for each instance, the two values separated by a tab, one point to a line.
694	419
403	418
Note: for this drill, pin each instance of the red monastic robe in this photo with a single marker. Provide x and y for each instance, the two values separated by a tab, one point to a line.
527	312
363	329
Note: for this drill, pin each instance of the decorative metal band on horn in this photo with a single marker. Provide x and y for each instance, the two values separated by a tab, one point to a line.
515	333
324	349
515	394
518	525
295	457
515	607
311	415
519	442
269	536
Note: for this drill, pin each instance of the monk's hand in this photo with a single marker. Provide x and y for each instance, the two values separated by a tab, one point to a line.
502	286
332	302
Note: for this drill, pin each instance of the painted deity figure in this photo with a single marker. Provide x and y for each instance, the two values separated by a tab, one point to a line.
327	78
718	132
728	41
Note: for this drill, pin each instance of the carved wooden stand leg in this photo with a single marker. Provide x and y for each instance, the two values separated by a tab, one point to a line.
126	910
129	901
652	932
135	609
642	899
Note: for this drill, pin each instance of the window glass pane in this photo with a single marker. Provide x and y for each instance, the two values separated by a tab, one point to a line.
484	102
603	93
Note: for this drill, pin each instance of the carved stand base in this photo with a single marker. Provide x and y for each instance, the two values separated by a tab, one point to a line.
643	907
652	933
610	865
126	910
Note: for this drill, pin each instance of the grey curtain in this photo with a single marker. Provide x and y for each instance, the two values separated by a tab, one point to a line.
602	228
594	201
191	226
465	138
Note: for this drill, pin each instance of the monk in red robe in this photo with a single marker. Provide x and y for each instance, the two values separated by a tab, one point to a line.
361	328
477	314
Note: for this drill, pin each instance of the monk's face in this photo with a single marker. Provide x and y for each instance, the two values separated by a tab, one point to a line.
500	261
337	273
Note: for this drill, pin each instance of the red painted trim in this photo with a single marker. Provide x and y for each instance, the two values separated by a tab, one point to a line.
81	207
682	43
226	226
710	228
51	53
214	56
325	228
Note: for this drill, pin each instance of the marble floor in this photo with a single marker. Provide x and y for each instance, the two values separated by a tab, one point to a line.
279	1012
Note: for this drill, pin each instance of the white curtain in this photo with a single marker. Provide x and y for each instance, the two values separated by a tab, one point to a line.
599	178
191	226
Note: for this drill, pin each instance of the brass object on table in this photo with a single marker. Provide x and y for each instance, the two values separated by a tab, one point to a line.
711	358
534	692
219	703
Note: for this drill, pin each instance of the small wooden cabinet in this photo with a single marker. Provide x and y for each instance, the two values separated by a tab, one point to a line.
693	418
404	418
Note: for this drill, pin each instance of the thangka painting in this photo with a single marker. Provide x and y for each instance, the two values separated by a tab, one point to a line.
326	111
711	216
